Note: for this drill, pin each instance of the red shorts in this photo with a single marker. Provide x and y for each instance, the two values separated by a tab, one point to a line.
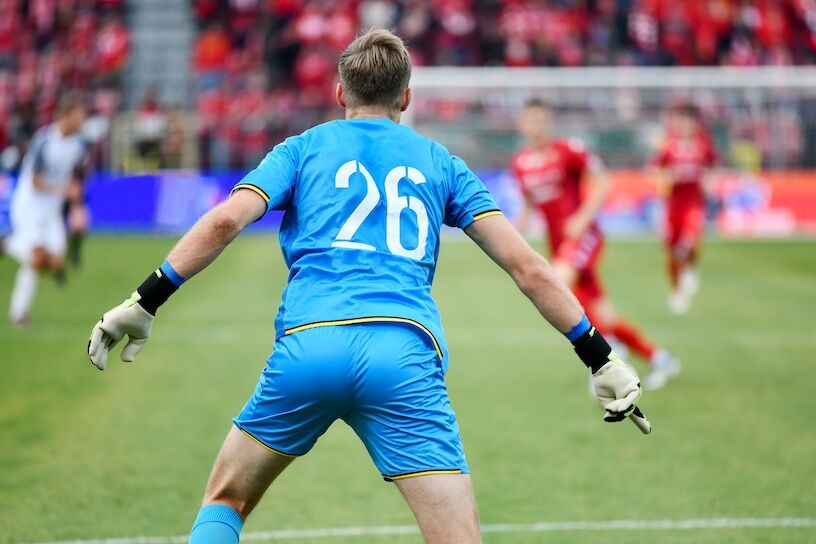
685	221
584	254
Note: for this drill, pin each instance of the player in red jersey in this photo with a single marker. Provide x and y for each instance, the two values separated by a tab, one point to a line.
684	162
550	174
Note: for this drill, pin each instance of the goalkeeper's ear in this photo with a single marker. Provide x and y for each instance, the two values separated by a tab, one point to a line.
339	95
407	96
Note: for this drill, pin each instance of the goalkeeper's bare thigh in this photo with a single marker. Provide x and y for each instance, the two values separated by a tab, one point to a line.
444	506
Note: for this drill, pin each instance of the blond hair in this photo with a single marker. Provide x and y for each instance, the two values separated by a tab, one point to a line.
375	70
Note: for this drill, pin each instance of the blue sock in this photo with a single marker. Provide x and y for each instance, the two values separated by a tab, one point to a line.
216	524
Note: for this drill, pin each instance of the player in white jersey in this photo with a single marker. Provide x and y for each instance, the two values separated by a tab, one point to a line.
50	177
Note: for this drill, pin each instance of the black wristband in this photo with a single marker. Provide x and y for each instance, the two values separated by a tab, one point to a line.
154	291
592	349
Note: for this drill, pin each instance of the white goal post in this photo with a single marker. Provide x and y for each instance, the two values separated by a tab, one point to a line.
767	111
796	77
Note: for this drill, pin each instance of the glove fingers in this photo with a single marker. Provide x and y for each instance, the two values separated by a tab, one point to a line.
613	417
96	338
620	406
100	357
97	348
111	342
132	349
625	404
640	421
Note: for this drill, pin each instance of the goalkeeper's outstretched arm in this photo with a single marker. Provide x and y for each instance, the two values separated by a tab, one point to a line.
213	232
616	386
193	253
532	273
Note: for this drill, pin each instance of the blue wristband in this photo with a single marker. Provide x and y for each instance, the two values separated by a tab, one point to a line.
171	274
575	332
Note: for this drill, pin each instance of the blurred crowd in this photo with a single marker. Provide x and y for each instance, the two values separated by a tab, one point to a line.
257	61
49	46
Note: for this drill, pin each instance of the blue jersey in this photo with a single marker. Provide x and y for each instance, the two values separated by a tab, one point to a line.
364	202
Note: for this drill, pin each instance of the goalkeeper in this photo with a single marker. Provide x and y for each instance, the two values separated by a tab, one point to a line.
358	336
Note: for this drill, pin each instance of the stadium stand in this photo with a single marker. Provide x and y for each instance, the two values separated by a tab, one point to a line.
272	57
48	46
254	62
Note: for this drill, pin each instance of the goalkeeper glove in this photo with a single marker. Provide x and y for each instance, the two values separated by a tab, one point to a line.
133	318
615	384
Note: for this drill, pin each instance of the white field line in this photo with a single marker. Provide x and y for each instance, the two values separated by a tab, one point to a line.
541	527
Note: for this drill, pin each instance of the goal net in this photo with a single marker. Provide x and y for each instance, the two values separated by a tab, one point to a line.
762	120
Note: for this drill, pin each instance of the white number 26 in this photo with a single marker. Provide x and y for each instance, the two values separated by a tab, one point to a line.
395	204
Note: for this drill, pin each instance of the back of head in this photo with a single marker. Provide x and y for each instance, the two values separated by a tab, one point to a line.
375	70
538	104
70	102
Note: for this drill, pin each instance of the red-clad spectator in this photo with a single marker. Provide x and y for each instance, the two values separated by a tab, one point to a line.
81	44
4	140
105	102
247	58
774	29
212	107
283	8
212	49
715	17
712	23
251	108
50	67
311	25
377	13
677	35
26	75
82	34
42	14
643	28
244	16
9	26
6	105
343	27
806	12
112	45
205	10
456	41
110	5
742	53
150	125
313	67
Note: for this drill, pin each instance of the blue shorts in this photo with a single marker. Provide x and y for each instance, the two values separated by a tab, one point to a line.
384	380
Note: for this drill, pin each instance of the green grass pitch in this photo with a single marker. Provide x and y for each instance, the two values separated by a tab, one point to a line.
86	454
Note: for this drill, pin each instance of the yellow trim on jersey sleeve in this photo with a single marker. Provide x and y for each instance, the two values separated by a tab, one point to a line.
423	473
273	450
255	188
358	320
486	214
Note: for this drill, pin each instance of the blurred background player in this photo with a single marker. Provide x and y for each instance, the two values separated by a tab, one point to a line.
684	164
75	217
48	193
550	173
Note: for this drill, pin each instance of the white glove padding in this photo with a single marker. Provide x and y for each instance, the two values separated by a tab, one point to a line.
617	388
129	318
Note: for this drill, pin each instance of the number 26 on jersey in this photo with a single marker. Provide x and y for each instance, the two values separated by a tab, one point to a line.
395	204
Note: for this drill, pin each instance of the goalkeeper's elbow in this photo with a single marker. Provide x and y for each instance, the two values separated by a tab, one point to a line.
223	227
533	274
